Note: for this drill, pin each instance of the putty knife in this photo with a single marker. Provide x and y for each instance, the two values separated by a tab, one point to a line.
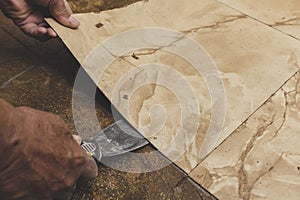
118	138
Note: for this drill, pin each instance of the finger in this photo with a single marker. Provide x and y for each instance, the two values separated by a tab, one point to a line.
90	170
77	138
68	7
51	33
61	11
33	30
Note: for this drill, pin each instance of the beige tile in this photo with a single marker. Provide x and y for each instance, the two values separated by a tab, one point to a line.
283	15
48	87
178	108
260	160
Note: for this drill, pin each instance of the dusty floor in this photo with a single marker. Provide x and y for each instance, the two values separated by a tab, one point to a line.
41	75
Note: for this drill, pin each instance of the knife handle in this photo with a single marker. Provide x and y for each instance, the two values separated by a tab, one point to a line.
92	149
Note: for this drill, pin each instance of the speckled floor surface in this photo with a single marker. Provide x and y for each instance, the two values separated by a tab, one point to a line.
41	75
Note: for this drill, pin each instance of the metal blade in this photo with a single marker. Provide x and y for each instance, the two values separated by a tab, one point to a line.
118	138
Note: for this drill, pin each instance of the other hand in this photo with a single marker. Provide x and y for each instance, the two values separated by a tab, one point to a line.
39	157
29	15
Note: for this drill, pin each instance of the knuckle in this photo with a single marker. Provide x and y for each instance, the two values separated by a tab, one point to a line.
58	8
69	183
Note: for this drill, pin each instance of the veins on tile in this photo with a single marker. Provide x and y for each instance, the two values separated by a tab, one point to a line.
298	83
185	33
227	19
244	187
119	57
266	172
288	22
293	60
149	52
297	91
283	115
154	50
150	94
137	55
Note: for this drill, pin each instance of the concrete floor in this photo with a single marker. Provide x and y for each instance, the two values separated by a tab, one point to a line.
41	75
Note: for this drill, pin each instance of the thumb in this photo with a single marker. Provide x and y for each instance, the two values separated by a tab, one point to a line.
61	11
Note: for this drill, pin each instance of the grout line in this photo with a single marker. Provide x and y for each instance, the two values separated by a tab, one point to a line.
260	21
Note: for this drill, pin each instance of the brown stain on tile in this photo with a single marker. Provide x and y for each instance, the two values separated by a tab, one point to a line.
99	25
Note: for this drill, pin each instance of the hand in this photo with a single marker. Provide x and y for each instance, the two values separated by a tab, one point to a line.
39	157
29	15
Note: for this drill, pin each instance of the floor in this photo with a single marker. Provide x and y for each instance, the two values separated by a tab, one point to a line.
255	47
251	154
41	76
261	159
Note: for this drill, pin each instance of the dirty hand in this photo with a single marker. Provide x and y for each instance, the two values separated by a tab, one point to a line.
39	157
29	15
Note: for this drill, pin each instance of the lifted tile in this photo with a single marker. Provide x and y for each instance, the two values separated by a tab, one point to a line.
253	61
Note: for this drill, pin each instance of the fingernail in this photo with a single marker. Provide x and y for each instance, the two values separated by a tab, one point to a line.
74	21
52	34
77	138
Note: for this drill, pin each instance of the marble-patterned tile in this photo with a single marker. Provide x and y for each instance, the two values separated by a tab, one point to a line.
28	79
261	159
160	88
283	15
